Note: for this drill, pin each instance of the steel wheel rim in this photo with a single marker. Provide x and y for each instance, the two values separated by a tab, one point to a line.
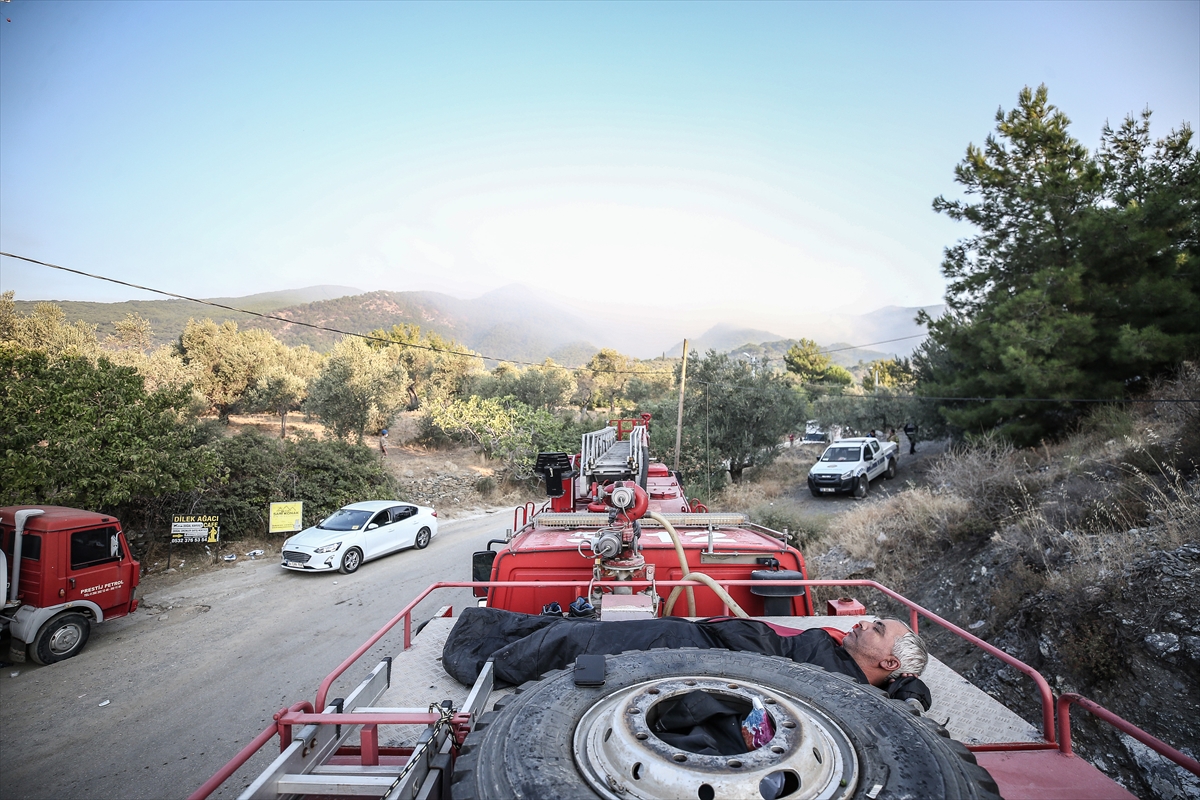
619	756
352	560
423	537
65	639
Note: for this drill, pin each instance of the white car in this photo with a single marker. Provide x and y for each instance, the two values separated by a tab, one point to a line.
849	466
360	532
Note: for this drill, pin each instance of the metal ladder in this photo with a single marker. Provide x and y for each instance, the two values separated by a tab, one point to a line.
311	765
605	457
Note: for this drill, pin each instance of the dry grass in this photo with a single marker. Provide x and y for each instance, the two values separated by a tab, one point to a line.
1071	517
899	534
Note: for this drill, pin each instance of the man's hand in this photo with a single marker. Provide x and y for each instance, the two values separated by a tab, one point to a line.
910	687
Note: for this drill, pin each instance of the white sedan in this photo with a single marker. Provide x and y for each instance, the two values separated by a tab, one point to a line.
360	532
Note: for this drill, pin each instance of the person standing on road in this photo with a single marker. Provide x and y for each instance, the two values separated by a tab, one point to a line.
893	438
383	440
910	431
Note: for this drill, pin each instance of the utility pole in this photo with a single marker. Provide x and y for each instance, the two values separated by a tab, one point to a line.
679	420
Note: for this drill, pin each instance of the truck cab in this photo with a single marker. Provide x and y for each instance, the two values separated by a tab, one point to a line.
64	570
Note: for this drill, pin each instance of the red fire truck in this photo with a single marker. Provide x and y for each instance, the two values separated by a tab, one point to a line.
619	539
64	570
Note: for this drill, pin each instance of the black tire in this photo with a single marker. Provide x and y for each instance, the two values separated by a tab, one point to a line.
815	493
60	638
527	747
891	469
423	537
861	487
351	561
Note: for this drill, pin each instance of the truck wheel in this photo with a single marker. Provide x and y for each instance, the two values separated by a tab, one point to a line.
815	493
833	737
891	469
423	537
60	638
861	488
351	561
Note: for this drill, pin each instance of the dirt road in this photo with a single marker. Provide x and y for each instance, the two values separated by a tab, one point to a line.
199	670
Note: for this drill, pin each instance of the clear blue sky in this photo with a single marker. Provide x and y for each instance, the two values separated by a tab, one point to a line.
734	162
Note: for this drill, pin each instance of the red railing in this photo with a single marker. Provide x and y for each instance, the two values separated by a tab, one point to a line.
915	611
245	754
1063	707
302	713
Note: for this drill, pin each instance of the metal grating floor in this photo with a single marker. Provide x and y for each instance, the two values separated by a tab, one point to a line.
971	715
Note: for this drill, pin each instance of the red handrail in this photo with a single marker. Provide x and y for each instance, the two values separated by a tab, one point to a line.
244	755
1063	707
915	610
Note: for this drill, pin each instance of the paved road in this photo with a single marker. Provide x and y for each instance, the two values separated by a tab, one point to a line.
199	673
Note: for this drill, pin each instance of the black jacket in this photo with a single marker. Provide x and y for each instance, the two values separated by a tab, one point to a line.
524	646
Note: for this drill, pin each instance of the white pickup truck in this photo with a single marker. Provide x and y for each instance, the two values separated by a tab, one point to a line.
849	466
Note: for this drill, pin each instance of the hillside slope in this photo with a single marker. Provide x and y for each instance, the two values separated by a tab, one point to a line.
1081	558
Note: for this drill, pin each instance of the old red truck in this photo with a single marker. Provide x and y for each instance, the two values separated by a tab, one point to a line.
64	570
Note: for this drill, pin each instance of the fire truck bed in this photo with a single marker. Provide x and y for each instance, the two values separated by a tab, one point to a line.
970	714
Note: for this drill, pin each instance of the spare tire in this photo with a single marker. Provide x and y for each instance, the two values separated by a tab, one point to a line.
833	737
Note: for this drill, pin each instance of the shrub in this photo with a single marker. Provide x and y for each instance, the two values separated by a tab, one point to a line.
990	472
255	471
901	533
802	530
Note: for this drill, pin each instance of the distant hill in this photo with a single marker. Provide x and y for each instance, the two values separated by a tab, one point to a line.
507	324
513	323
722	338
168	317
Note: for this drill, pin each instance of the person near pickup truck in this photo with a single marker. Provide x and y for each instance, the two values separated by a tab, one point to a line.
910	432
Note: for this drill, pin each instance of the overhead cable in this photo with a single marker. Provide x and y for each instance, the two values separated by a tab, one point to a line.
594	370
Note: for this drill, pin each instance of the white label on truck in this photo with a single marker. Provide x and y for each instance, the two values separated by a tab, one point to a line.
104	587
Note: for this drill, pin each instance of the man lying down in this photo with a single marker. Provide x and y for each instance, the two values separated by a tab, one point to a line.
882	652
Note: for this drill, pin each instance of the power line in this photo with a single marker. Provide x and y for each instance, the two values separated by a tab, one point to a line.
593	370
364	336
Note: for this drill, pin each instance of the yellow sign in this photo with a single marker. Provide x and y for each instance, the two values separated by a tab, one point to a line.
196	528
286	517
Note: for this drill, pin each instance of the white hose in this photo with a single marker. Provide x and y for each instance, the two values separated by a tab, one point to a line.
710	583
683	565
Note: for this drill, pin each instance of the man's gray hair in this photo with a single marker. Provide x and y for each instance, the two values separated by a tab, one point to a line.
910	651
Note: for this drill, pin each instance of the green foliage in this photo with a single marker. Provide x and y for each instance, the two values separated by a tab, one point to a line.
892	373
837	375
437	368
359	386
1083	280
546	386
283	386
602	382
226	362
655	380
506	429
89	435
255	471
46	329
734	416
806	360
501	428
881	410
802	529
